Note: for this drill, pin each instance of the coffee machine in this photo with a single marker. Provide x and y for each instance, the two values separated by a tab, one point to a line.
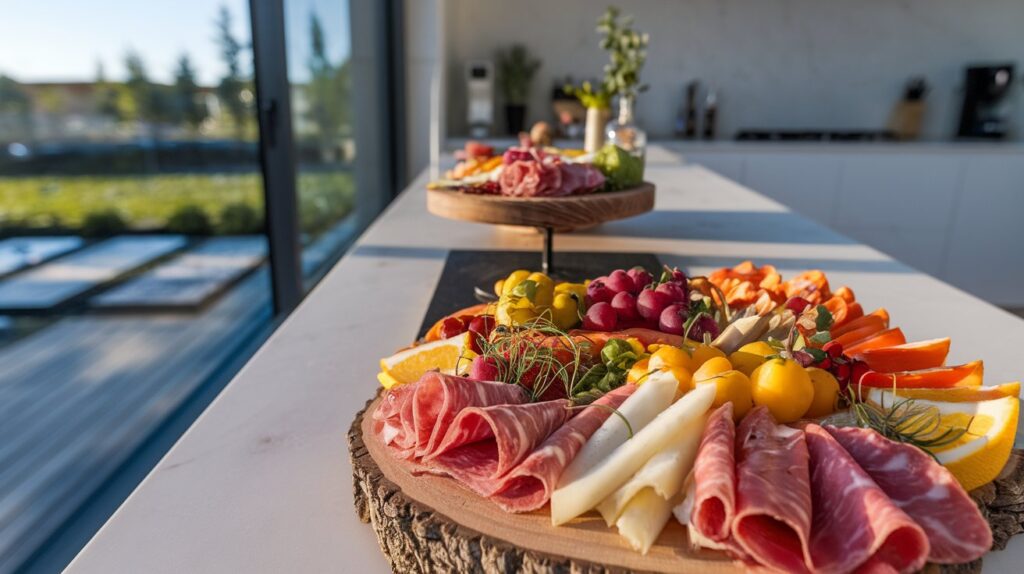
986	110
480	98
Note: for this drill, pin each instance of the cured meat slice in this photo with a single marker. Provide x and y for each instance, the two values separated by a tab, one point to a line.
773	493
855	524
925	490
529	485
714	477
412	419
485	443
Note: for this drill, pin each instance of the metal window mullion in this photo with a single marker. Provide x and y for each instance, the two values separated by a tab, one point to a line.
277	154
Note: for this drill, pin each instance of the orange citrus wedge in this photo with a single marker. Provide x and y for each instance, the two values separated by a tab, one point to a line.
450	356
950	395
909	357
887	338
967	375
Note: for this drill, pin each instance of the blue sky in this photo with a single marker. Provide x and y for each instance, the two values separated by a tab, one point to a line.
62	40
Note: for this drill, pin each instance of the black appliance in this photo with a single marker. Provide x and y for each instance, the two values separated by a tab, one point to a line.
815	135
986	108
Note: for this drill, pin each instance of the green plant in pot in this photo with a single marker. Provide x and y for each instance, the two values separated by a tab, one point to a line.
516	69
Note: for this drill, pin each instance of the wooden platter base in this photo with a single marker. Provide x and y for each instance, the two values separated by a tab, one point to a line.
428	524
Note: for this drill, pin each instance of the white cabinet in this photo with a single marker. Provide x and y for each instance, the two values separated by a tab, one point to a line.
955	211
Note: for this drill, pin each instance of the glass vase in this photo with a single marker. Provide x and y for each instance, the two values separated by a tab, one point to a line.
624	132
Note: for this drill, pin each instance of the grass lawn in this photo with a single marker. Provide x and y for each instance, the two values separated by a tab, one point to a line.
150	202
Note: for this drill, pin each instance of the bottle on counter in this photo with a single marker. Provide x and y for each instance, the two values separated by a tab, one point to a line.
710	114
624	132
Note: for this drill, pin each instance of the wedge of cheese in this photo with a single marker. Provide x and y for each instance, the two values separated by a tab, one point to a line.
643	519
664	472
653	397
587	489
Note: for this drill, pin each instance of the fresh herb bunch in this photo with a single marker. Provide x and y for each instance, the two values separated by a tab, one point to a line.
516	68
627	49
590	96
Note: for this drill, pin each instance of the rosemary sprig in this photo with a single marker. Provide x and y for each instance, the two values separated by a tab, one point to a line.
905	420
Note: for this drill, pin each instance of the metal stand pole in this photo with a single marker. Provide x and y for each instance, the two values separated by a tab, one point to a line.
548	255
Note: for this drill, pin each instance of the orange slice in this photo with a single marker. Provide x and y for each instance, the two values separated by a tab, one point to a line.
967	375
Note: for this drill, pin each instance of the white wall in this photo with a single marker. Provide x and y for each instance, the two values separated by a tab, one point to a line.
776	63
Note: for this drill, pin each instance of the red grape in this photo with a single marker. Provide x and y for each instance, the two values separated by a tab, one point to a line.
650	303
599	292
641	278
624	304
620	282
484	368
833	348
480	327
672	319
600	317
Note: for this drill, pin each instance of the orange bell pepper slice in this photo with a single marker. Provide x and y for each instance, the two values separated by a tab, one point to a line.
879	318
857	335
888	338
909	357
967	375
846	294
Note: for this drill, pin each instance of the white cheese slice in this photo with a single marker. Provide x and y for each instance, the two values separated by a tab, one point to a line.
644	517
584	491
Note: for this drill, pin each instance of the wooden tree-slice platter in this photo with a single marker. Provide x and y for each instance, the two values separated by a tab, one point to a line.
558	213
431	524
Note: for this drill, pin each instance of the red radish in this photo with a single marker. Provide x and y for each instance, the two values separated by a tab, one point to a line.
672	319
600	317
650	303
484	368
641	278
620	282
675	291
624	304
599	292
704	325
676	276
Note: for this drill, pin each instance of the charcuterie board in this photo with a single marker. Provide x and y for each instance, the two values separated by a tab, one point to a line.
431	524
557	213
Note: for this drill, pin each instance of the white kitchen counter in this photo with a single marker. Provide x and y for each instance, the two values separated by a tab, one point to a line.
261	481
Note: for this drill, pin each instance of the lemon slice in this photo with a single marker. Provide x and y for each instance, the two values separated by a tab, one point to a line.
977	457
450	356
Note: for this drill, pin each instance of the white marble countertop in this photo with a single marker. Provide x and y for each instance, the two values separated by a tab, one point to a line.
261	481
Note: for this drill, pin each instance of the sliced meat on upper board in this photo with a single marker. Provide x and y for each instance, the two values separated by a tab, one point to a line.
529	485
714	477
773	493
856	525
412	419
485	443
925	490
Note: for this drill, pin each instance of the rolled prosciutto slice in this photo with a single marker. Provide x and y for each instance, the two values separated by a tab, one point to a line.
485	443
855	524
773	493
925	490
528	486
714	477
412	419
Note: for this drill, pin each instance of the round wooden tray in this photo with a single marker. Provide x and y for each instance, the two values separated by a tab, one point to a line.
558	213
431	524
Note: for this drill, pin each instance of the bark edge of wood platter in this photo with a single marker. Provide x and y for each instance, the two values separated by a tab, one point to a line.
558	213
431	524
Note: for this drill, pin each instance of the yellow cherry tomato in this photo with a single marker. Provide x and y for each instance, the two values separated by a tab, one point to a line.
514	278
638	372
637	346
545	289
683	377
826	393
758	348
751	356
711	367
703	353
784	387
564	312
731	386
669	356
498	286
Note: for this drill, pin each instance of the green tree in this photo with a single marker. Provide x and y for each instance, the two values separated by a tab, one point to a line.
106	99
138	87
13	99
327	92
232	84
189	107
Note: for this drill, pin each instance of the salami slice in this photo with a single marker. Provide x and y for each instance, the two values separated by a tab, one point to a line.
925	490
412	419
714	477
773	493
529	485
485	443
855	523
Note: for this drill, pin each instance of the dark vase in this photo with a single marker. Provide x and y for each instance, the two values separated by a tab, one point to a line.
515	118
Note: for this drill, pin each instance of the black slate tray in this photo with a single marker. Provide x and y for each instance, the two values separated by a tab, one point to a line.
465	269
